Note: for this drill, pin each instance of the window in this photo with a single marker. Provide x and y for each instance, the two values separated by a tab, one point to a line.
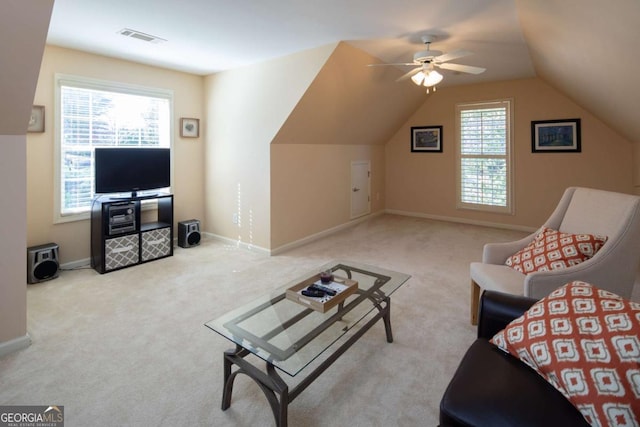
94	113
484	156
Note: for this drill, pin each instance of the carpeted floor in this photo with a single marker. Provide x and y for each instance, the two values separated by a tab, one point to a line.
129	348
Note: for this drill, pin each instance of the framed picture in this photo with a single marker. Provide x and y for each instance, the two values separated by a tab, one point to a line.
36	121
189	128
427	139
561	136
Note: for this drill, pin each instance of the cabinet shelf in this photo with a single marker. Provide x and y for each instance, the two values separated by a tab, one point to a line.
153	225
120	239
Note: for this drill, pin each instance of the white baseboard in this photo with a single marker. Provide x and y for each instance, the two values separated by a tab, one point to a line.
324	233
296	243
76	264
237	243
15	345
463	220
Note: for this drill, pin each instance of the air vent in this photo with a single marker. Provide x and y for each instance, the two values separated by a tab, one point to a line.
127	32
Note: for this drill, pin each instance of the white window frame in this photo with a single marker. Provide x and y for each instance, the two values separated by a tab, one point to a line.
103	85
508	156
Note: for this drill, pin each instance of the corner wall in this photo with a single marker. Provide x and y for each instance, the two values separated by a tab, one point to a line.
347	114
425	183
246	107
13	248
23	31
188	153
311	187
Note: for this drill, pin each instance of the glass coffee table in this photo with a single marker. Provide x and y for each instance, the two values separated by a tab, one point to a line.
289	335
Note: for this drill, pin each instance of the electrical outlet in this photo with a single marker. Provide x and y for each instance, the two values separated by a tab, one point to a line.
234	219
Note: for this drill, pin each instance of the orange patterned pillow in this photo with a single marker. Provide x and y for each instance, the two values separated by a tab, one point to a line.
552	250
586	343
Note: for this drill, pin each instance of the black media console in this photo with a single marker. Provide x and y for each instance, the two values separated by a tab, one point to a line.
120	238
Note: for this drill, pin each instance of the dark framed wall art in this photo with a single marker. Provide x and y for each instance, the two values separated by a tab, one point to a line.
556	136
426	139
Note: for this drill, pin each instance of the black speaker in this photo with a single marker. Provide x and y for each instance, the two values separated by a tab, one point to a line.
42	263
189	233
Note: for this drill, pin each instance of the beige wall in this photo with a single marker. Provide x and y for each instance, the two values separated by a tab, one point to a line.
311	187
636	167
13	228
251	125
23	31
188	154
425	183
347	114
245	109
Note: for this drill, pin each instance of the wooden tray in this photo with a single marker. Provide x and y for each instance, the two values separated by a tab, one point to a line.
321	304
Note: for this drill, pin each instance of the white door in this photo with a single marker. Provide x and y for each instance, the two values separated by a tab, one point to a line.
360	188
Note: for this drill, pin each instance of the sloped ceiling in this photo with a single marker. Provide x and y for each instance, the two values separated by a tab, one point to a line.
350	104
24	24
588	49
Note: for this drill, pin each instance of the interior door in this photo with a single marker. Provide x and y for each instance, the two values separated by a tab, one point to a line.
360	188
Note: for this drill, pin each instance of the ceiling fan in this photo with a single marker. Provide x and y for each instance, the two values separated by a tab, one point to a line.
426	61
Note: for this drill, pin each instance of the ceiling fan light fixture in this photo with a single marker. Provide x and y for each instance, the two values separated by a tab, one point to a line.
418	78
425	62
432	78
427	78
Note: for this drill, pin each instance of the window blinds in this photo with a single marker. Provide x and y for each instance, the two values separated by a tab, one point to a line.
484	155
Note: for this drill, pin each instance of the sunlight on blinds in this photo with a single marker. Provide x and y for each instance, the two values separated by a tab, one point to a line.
484	181
483	155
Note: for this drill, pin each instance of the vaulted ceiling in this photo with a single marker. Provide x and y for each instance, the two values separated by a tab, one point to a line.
588	50
584	48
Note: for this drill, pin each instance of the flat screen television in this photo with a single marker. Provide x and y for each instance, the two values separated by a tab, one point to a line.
119	170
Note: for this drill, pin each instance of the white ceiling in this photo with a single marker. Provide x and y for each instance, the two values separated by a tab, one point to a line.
207	36
584	48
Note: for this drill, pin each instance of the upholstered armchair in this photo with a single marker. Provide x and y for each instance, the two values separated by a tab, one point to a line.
580	210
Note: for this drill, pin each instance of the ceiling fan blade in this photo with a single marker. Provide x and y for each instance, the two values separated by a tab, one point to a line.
453	55
395	64
409	74
462	68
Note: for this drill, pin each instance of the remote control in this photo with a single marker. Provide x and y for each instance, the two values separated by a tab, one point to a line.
322	288
313	293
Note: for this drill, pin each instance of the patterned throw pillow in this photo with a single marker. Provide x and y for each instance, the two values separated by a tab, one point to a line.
586	343
552	250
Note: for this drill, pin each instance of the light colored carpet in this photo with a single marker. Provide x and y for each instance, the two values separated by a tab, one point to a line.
129	348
